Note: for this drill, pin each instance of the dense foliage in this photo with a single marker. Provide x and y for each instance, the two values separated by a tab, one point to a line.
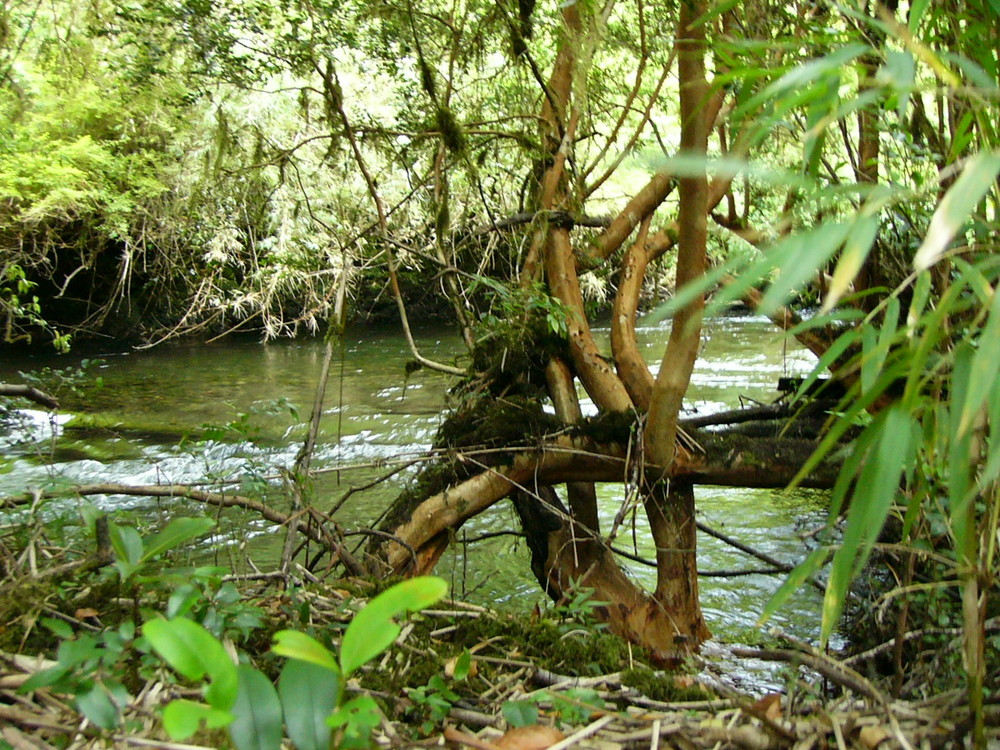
172	167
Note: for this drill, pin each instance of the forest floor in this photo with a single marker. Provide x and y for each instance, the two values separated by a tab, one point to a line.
461	676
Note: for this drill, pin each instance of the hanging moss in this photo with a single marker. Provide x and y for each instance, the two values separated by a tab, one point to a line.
512	354
451	131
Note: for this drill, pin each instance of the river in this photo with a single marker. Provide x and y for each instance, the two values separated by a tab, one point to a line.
188	412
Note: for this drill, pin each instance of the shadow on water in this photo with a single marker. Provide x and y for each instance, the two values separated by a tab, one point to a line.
225	411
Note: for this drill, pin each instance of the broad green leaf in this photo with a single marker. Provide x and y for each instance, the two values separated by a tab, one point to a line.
802	573
257	712
463	664
126	543
194	652
296	645
181	718
856	248
373	630
520	713
309	693
175	533
61	628
978	176
96	705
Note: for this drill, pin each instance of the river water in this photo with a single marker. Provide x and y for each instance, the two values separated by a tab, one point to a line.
189	412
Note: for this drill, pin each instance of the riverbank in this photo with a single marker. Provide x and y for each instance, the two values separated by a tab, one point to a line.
457	675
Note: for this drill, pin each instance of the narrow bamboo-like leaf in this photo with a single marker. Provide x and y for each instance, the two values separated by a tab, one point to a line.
992	469
921	294
856	248
309	693
373	630
985	367
959	445
876	491
802	572
686	294
257	712
917	10
798	258
978	176
802	75
822	320
175	533
830	356
296	645
869	358
194	652
876	345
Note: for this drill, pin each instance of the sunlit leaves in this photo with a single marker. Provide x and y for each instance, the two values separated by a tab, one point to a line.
856	247
952	213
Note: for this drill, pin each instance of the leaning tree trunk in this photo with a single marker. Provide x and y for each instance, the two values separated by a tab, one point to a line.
670	507
634	441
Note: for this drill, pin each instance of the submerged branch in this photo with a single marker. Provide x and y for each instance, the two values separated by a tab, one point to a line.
31	393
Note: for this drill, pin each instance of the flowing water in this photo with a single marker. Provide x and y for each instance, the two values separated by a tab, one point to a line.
221	411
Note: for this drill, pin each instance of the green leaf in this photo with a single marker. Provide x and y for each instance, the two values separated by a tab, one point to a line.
96	705
856	248
985	368
309	693
799	77
178	531
830	356
127	545
874	496
959	446
181	718
463	664
296	645
373	630
917	10
194	652
799	257
978	176
799	575
257	711
520	713
358	717
61	628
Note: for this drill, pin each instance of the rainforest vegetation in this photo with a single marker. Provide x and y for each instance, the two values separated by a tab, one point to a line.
523	172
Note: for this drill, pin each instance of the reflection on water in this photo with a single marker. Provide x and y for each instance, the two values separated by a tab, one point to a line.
179	414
